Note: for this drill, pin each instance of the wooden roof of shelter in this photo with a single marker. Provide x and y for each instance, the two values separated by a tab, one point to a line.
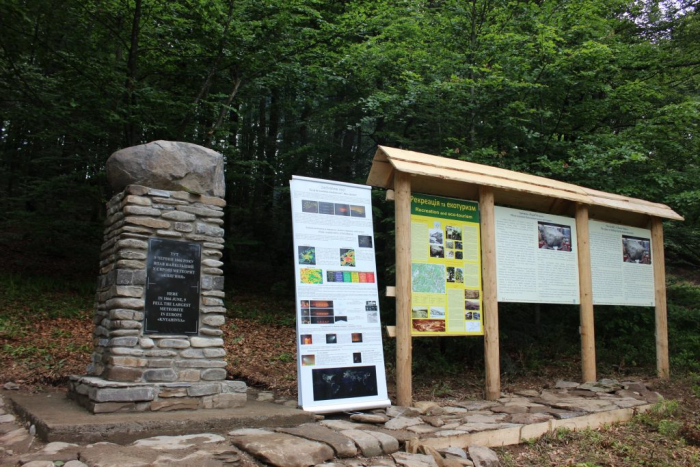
460	179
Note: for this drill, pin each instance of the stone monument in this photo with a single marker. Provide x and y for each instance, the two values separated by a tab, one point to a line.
158	343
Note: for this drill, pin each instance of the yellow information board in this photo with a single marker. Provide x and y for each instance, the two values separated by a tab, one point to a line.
445	267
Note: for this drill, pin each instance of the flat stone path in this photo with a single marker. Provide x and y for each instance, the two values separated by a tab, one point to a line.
435	435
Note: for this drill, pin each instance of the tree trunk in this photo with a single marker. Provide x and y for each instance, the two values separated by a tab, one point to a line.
222	112
131	132
182	127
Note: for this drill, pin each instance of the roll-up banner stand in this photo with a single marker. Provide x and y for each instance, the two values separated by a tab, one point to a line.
340	359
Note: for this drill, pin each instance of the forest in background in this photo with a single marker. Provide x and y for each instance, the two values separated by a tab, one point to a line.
604	94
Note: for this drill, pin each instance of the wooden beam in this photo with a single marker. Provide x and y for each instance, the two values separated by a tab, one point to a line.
521	434
560	207
404	343
490	300
588	365
657	258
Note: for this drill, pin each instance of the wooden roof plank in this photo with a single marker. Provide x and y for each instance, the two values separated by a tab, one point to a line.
472	168
478	179
387	160
630	205
381	173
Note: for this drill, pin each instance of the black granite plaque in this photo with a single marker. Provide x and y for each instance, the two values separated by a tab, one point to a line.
172	287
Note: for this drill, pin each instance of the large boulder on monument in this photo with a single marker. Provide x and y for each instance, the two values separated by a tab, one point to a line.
168	165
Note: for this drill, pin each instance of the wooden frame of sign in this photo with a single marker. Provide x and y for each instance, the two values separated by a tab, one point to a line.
404	172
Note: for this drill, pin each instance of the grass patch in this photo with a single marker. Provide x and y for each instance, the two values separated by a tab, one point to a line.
654	438
266	310
24	297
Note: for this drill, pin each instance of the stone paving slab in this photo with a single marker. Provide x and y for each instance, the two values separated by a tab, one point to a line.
414	460
401	435
388	443
342	445
369	418
204	449
428	427
368	444
59	419
281	449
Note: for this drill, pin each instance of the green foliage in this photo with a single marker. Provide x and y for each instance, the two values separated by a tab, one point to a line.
604	95
274	311
561	433
24	297
651	438
695	381
533	341
82	348
624	335
601	94
670	428
284	357
659	411
661	418
684	324
23	351
11	328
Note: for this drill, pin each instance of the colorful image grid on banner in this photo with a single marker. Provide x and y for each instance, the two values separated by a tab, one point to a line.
446	296
339	344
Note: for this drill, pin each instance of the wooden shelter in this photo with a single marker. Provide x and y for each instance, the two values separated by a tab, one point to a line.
405	172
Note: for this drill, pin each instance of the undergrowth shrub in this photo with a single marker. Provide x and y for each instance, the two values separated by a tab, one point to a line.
25	297
660	414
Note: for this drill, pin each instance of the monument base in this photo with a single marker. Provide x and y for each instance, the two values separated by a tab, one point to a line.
101	396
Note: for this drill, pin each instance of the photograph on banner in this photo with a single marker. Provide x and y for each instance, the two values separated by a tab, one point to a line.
536	257
446	293
339	343
621	267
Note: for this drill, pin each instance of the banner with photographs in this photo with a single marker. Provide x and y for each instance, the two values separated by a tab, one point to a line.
446	293
340	363
621	265
536	257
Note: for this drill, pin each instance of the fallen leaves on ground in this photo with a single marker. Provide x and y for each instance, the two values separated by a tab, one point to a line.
263	355
38	352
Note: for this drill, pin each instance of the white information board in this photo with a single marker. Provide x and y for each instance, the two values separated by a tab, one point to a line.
340	364
621	265
536	257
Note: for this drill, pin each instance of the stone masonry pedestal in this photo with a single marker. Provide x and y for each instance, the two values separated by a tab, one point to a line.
133	369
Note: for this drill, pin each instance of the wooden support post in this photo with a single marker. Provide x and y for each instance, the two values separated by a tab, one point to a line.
490	299
588	365
404	343
657	259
